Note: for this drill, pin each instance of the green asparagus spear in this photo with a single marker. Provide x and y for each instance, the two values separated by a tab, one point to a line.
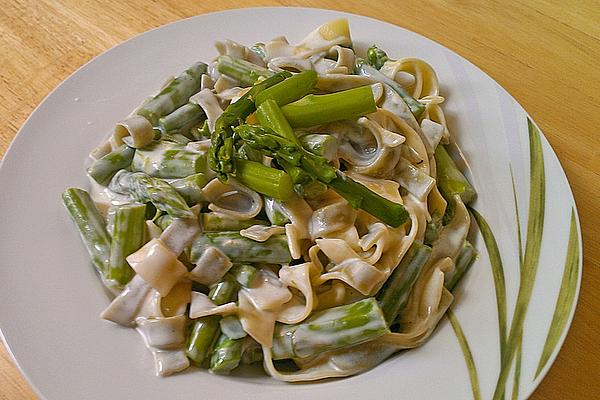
463	262
376	57
174	95
242	71
362	68
103	169
205	330
163	221
221	155
213	222
393	295
190	188
291	89
270	116
252	351
244	274
226	355
450	180
322	145
169	160
144	188
240	249
246	152
265	180
91	227
182	120
127	236
330	329
275	213
359	196
319	109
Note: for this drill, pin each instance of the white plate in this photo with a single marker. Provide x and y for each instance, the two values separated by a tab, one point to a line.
50	297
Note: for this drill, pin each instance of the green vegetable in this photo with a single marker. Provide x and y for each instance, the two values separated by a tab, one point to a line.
174	95
466	258
322	145
393	295
205	330
144	188
362	68
182	120
376	57
240	249
213	222
331	329
226	355
105	168
265	180
291	89
221	155
450	180
319	109
91	227
190	188
242	71
169	160
128	228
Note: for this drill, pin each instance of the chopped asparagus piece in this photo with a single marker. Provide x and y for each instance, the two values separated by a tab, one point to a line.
450	180
330	329
91	227
144	188
240	249
128	228
174	95
105	168
393	295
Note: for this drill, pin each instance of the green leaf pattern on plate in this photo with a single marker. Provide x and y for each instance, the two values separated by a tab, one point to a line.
511	336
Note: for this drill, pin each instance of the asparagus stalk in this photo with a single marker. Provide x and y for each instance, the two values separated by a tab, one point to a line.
376	57
174	95
244	274
205	330
169	160
330	329
265	180
322	145
103	169
242	71
270	116
362	68
91	227
465	259
319	109
450	180
291	89
275	213
226	355
163	221
221	155
182	120
213	222
144	188
393	295
129	224
359	196
190	188
240	249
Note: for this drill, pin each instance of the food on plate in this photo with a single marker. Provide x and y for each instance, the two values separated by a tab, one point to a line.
285	203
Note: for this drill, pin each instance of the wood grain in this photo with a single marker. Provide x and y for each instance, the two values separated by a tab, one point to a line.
543	52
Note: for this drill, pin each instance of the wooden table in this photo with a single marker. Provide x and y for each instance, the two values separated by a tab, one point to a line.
546	55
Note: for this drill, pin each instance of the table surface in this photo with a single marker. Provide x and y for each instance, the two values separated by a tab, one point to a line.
543	52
